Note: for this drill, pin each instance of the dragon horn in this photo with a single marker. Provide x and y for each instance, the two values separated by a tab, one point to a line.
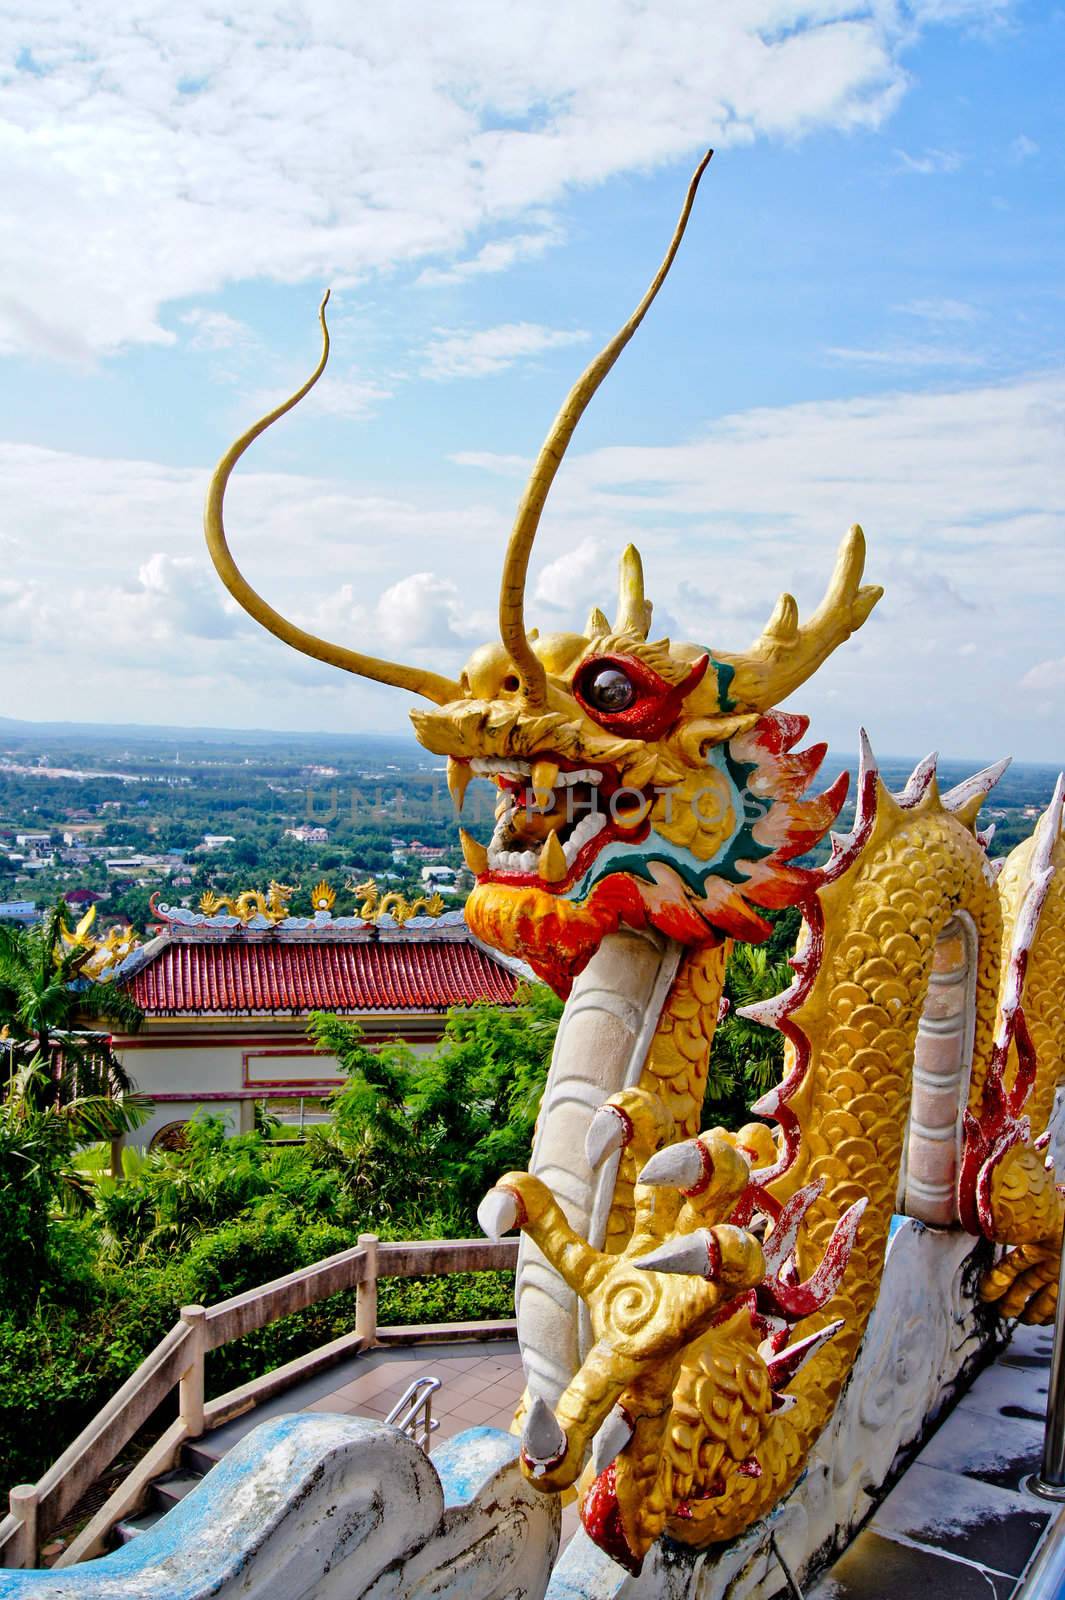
435	688
634	609
787	651
516	564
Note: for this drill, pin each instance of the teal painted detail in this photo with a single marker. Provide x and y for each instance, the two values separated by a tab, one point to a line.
724	674
740	847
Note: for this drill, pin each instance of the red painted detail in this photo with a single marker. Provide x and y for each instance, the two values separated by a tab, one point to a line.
233	976
795	1300
521	1221
779	731
713	1258
780	1243
601	1517
657	704
683	1511
750	1468
785	1363
628	1130
703	1183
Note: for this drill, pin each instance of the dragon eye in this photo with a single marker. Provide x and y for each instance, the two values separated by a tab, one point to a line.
609	689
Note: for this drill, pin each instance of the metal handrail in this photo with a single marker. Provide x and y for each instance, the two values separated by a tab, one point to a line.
413	1411
1045	1578
1050	1479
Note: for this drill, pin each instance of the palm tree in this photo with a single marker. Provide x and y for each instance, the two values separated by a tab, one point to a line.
57	1061
746	1058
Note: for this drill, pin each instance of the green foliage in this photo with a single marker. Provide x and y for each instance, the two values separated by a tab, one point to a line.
746	1059
429	1134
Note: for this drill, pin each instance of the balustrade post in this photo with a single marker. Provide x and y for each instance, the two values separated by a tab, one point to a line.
366	1292
190	1388
22	1546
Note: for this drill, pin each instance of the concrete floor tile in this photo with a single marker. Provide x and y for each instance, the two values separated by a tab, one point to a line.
963	1516
475	1413
987	1447
1016	1393
874	1567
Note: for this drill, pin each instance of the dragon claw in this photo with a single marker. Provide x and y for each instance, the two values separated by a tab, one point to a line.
683	1166
614	1434
498	1213
609	1130
543	1442
697	1254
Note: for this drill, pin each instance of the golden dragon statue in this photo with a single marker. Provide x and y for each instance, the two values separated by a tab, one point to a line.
373	904
101	956
273	905
690	1303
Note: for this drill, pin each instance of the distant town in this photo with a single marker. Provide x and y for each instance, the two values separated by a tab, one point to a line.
111	817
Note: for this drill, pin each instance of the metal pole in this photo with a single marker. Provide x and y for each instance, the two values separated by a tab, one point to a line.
1050	1479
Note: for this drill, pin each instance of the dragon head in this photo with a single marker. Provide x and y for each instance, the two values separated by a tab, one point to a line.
640	781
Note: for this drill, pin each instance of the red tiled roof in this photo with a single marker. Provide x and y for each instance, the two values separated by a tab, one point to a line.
238	976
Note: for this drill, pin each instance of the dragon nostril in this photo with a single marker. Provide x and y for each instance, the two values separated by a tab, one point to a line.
512	683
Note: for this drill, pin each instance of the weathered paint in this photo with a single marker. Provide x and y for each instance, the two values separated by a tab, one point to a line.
320	1507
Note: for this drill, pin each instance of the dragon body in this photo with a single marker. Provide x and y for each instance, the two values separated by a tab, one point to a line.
273	905
690	1303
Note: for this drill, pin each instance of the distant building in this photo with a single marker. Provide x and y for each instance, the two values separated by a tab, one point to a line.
226	1007
439	877
22	912
82	898
217	841
306	834
33	841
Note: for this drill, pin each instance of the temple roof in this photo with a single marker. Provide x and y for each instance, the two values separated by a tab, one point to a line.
208	970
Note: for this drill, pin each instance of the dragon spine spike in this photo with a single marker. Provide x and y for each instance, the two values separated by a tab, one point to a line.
984	836
780	1242
802	1299
975	789
696	1254
687	1166
918	783
1040	877
768	1104
783	1367
498	1213
609	1130
614	1434
769	1014
847	850
543	1442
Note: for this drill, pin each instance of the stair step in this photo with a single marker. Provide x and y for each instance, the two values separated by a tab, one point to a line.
174	1486
130	1527
199	1456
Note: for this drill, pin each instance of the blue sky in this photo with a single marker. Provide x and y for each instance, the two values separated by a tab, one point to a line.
865	323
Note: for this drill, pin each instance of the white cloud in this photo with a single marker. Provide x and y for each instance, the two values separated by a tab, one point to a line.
930	162
496	256
941	310
907	356
567	582
215	330
196	147
1023	147
961	491
479	352
1046	677
502	466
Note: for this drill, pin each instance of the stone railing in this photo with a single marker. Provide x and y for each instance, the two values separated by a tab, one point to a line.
37	1510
